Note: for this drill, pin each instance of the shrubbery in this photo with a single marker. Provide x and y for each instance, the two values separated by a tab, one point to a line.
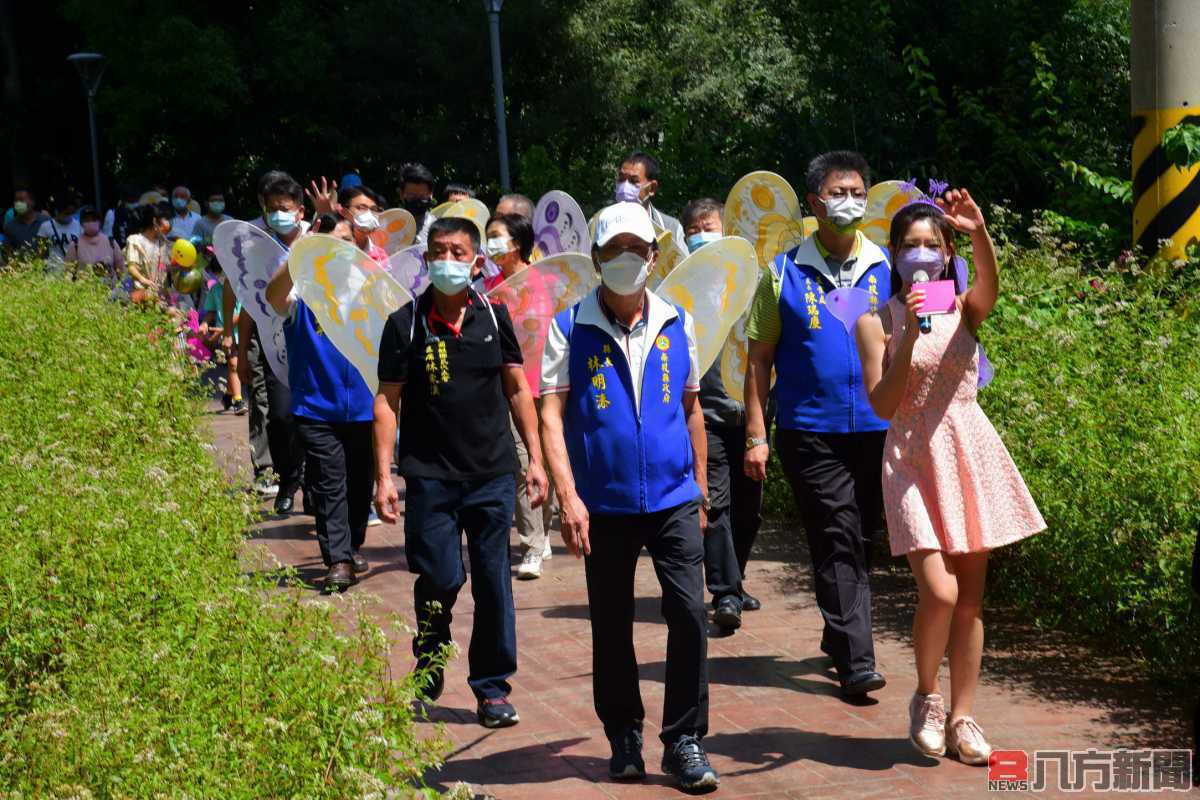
1097	396
138	657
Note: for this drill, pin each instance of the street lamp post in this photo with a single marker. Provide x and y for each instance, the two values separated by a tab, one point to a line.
90	67
493	9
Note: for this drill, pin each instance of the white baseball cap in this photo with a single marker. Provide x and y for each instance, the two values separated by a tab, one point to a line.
623	218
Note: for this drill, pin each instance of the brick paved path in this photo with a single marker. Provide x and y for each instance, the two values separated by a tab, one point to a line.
778	728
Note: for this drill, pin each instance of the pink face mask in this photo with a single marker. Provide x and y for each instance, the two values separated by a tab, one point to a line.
91	228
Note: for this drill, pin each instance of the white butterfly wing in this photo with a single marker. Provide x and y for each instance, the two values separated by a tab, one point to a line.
250	256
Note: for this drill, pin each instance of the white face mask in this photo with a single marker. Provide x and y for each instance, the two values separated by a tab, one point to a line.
366	220
626	274
845	210
498	247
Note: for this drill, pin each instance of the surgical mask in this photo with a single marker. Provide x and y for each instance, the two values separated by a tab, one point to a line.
916	259
626	192
91	228
846	210
450	277
701	238
20	208
498	247
217	206
179	203
416	205
282	222
366	220
626	274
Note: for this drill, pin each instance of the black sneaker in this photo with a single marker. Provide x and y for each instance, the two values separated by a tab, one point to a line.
497	712
728	615
226	401
626	762
239	408
437	679
688	762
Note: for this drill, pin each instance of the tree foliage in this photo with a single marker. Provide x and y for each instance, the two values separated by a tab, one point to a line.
993	95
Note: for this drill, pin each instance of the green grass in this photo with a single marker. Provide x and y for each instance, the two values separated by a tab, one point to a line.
138	656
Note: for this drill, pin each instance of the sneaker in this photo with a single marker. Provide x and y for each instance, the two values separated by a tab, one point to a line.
531	567
497	712
437	678
927	724
239	407
266	490
547	551
373	519
688	762
965	739
226	401
626	762
728	614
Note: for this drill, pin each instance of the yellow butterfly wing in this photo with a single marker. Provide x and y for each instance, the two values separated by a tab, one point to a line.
670	255
715	285
763	209
883	201
351	296
471	209
397	229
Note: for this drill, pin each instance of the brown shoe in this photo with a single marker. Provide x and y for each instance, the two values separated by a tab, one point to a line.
339	578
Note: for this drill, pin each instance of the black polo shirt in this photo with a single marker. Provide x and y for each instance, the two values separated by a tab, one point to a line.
454	416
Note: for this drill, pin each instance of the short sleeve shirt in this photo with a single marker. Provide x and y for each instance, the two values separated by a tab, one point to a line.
454	414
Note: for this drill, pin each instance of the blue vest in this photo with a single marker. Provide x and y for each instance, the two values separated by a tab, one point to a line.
819	382
323	382
625	462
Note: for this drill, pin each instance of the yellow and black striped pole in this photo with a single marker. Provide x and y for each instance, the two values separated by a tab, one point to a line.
1165	91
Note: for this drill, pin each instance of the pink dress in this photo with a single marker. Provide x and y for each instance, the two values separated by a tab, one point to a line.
949	484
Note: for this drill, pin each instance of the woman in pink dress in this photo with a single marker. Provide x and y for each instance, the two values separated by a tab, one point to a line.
951	491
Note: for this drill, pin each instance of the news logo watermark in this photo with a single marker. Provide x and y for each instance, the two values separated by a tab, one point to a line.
1090	770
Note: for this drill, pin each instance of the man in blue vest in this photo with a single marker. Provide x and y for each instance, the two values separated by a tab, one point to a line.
625	441
332	409
829	440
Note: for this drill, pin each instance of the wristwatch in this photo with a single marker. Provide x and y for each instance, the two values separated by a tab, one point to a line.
755	441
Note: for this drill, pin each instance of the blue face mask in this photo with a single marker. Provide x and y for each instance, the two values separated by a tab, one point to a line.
179	203
626	192
701	238
217	206
450	277
282	222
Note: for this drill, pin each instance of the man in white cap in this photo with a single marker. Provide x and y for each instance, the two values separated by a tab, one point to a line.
624	437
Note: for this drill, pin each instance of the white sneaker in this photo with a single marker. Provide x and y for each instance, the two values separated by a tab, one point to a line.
965	739
927	724
531	567
548	552
267	489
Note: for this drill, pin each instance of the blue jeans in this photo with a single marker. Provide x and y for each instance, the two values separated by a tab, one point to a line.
437	513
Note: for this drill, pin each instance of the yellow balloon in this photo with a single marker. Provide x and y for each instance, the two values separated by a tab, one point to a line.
183	253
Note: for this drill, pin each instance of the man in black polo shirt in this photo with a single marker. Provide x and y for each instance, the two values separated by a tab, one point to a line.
454	359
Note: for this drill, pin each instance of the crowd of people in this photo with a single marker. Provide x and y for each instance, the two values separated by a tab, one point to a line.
617	439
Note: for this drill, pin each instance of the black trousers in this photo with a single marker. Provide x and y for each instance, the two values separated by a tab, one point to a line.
256	399
340	477
674	540
735	515
287	453
837	480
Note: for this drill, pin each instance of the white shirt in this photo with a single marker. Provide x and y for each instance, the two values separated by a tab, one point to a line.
181	227
61	236
556	377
